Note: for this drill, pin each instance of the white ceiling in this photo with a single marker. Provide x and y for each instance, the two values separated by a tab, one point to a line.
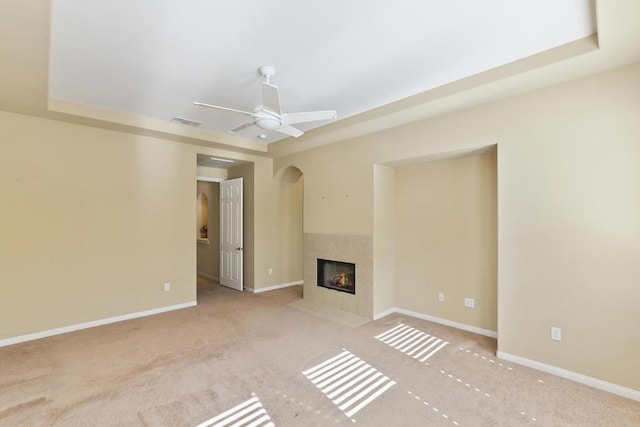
153	58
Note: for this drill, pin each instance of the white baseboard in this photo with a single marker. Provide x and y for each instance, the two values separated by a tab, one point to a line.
385	313
80	326
570	375
207	276
274	287
474	329
573	376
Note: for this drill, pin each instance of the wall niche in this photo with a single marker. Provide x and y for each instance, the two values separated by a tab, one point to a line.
202	209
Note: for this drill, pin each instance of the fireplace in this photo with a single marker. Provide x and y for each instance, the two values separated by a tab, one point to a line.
337	275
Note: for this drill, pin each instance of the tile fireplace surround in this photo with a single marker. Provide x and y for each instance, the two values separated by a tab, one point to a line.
357	250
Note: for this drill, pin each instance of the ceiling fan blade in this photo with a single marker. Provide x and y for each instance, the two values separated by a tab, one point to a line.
289	130
270	97
310	116
216	107
239	128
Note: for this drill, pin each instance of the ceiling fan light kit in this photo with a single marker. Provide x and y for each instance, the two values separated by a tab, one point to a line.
269	115
267	123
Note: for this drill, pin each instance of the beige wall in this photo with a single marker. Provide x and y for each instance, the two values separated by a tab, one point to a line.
247	172
287	227
384	239
93	224
276	226
338	220
273	224
446	235
569	231
338	196
568	209
208	255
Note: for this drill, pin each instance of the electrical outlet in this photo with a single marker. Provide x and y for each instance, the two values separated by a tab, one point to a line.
556	334
441	297
469	303
270	271
167	286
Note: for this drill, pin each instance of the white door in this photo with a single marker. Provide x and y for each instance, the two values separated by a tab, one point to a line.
231	233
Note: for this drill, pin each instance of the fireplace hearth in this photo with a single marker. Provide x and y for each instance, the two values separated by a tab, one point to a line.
337	275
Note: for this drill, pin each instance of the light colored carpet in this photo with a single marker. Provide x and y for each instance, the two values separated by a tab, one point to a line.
330	313
188	366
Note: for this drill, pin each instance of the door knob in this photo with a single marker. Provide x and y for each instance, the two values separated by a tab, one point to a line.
238	249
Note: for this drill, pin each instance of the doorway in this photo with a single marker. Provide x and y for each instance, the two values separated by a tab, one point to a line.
211	172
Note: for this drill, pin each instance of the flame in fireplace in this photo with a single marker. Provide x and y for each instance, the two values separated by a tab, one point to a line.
341	280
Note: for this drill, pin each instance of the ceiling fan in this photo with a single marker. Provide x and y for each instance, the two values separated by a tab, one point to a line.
269	116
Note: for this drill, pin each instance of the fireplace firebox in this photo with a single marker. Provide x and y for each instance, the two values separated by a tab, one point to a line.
337	275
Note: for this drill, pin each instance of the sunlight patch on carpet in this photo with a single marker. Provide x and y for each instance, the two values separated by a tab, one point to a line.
249	413
412	342
499	364
434	409
349	382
